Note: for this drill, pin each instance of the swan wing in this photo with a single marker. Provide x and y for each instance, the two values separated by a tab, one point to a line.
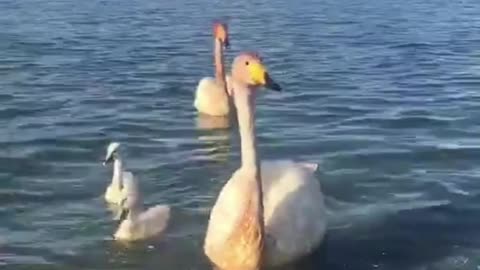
295	215
211	99
155	219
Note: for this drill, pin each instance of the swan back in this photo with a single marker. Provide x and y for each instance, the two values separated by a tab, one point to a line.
147	224
295	215
140	225
211	98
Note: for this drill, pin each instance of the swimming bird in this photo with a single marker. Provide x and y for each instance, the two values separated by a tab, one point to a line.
212	94
269	213
137	224
115	192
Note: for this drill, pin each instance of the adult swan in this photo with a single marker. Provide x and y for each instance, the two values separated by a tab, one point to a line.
212	94
269	214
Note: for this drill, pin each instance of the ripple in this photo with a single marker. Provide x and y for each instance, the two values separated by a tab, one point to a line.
384	96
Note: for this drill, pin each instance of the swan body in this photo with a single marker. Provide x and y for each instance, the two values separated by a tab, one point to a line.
137	224
269	213
149	223
294	211
211	98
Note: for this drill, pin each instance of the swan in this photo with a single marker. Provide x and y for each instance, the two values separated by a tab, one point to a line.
212	96
115	192
136	224
269	213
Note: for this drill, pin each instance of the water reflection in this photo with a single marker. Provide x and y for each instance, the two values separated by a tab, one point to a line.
206	122
214	133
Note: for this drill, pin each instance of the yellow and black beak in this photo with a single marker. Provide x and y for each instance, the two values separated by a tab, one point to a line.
107	160
271	84
226	43
261	77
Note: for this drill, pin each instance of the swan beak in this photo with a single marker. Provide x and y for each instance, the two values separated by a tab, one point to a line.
226	43
271	84
107	160
261	77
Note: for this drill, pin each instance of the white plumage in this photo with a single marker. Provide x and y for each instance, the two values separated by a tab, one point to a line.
294	211
294	216
139	224
211	98
115	192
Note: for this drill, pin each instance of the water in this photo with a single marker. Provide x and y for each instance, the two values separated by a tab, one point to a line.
383	94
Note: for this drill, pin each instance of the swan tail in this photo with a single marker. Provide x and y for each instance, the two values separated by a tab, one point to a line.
158	217
312	167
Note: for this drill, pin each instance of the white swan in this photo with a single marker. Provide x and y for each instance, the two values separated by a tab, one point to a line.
137	224
115	192
269	214
212	94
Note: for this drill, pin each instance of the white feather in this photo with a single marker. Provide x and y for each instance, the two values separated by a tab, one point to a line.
294	211
211	98
140	225
115	191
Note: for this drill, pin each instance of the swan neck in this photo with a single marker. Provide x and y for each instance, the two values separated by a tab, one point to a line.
133	213
245	104
219	65
117	173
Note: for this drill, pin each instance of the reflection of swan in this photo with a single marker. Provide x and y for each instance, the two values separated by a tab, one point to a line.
212	95
215	145
135	224
212	122
115	192
268	214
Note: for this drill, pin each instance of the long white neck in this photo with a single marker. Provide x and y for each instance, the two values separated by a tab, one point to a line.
219	65
245	102
117	173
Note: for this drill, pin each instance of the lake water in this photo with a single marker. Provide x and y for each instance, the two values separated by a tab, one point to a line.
384	95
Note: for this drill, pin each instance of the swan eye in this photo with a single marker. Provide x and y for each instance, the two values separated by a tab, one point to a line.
247	63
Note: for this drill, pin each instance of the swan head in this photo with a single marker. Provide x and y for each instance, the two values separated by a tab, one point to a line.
248	68
112	152
220	32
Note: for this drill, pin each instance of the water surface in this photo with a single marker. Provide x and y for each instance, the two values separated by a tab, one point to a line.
383	94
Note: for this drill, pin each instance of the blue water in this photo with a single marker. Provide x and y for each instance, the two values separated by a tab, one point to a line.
383	94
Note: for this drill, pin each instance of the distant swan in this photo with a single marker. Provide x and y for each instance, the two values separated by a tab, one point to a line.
212	94
269	214
137	224
115	192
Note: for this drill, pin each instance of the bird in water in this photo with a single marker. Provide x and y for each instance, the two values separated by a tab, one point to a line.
137	223
116	192
212	96
269	213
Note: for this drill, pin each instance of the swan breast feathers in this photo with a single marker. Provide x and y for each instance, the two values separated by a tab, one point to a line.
227	211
